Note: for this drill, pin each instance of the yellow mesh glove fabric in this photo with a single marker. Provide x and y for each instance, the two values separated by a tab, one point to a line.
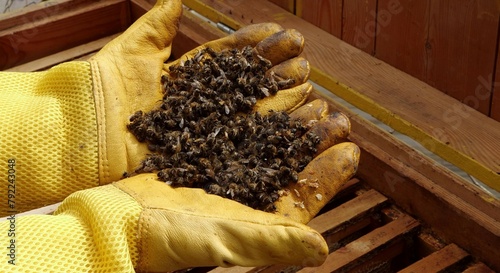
143	223
49	129
95	230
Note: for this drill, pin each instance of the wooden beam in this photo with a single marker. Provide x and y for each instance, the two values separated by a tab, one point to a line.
42	34
63	56
288	5
36	12
139	7
460	59
478	268
348	213
359	25
439	261
325	14
495	101
402	35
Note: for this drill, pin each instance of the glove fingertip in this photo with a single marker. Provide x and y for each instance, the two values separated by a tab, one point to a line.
285	100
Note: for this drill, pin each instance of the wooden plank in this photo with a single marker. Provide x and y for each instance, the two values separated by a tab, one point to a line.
36	12
359	250
450	48
288	5
446	127
348	213
63	56
495	100
359	25
439	261
325	14
478	268
402	35
462	48
427	244
57	32
139	7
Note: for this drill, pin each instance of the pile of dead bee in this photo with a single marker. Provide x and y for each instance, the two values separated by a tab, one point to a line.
205	134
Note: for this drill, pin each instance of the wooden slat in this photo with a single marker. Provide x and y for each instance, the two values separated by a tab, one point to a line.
348	213
355	252
402	36
139	7
235	269
478	268
427	40
36	12
51	33
288	5
359	27
427	244
439	261
457	133
63	56
325	14
495	101
462	49
43	210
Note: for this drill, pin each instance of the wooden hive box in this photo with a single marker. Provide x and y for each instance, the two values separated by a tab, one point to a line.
402	211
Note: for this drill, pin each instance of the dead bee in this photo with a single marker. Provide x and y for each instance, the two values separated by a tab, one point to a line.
204	133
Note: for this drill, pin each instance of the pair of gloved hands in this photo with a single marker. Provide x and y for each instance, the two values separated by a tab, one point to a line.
66	129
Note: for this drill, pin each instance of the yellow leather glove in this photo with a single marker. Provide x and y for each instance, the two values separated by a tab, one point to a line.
143	224
74	137
66	127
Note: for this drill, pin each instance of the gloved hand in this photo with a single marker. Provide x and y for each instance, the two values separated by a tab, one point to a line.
142	224
66	127
139	222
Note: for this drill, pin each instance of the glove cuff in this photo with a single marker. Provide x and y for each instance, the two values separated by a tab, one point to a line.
49	130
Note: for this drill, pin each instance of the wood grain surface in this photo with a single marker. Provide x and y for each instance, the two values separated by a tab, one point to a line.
325	14
495	101
438	261
449	44
47	32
